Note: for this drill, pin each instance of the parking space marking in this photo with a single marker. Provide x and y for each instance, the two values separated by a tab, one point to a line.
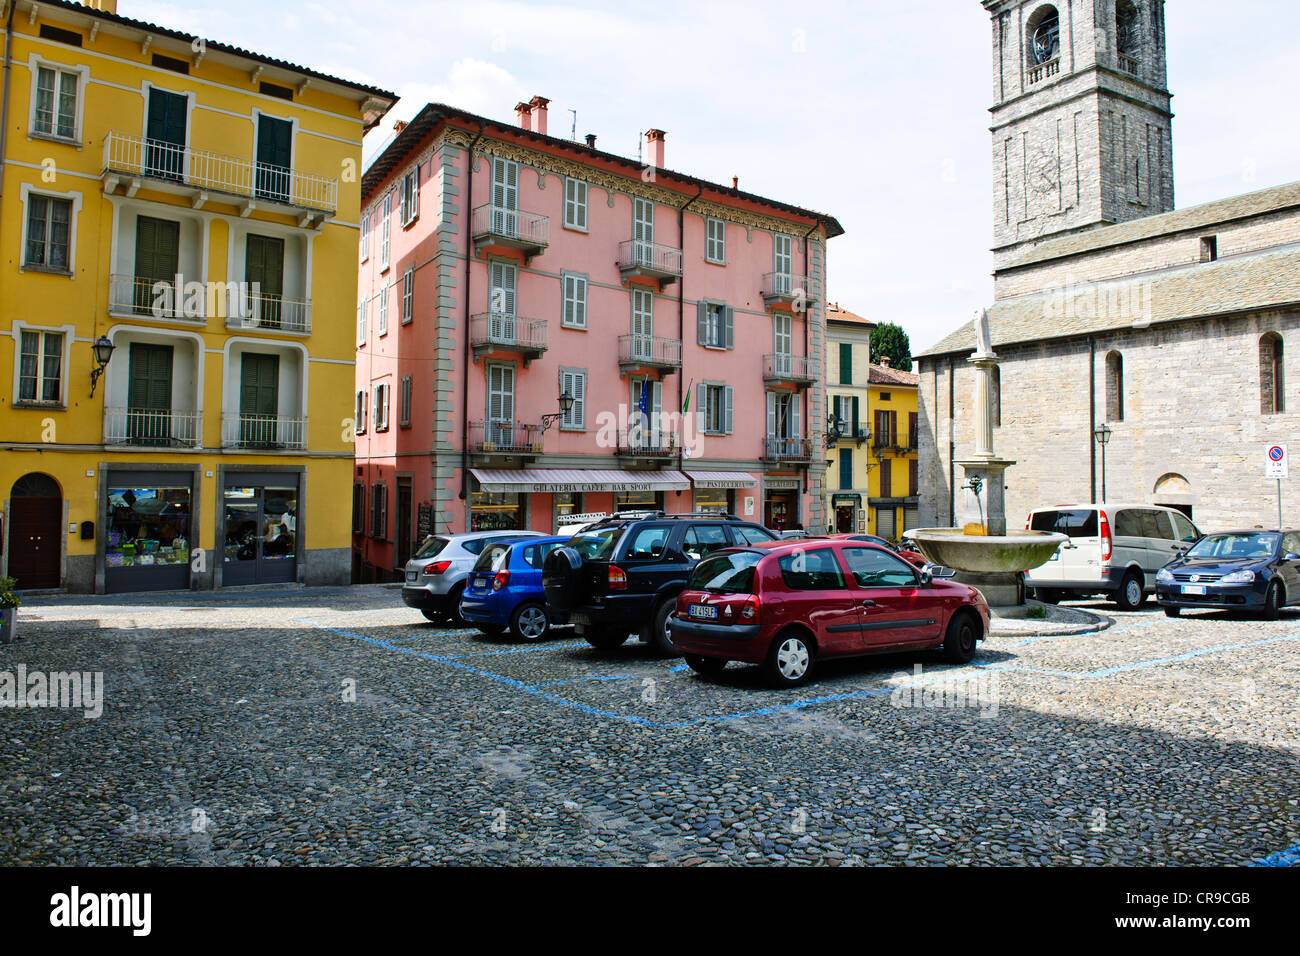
541	645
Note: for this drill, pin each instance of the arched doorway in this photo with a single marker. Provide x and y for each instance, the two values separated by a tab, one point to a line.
1174	491
35	531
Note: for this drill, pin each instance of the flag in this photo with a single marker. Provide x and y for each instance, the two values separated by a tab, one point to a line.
686	405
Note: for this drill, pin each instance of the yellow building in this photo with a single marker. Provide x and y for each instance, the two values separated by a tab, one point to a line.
178	249
895	483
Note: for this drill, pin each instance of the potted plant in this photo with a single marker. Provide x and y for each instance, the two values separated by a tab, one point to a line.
9	602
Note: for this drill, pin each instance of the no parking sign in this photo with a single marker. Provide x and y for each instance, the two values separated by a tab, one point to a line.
1278	462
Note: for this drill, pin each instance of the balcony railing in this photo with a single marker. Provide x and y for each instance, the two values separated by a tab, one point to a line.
512	228
505	438
787	288
645	443
498	332
130	154
650	259
1043	71
151	427
157	298
1128	64
799	369
776	448
263	432
649	351
267	312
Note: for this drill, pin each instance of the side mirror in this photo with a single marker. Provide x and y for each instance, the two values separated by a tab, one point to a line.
926	578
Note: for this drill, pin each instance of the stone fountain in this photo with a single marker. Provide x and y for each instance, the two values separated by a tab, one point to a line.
980	548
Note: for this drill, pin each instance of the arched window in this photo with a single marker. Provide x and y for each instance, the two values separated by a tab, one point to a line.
1114	387
995	399
1272	386
1043	30
1128	37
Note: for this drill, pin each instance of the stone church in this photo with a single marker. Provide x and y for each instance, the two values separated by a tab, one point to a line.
1173	328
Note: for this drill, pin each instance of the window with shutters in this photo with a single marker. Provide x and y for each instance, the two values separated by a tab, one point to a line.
381	407
365	237
408	296
385	230
49	230
1114	387
575	204
715	243
166	133
1272	391
913	478
573	382
379	511
783	415
643	321
361	322
500	403
716	408
409	204
383	311
362	399
886	478
846	363
40	368
886	429
913	430
643	220
358	507
574	291
846	468
646	409
782	261
55	109
404	410
716	325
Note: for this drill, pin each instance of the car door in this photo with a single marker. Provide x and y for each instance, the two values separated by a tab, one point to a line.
1290	570
894	610
1163	544
821	598
1129	541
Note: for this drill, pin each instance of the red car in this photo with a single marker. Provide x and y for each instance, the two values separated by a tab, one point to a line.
911	557
785	605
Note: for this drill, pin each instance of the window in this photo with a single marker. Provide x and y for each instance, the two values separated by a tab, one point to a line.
716	408
782	261
752	534
1209	248
702	540
715	243
362	397
1183	528
783	341
873	568
379	511
913	478
1127	36
404	402
643	220
1072	524
49	222
648	542
574	289
815	570
408	296
276	90
40	367
886	428
846	468
365	237
573	382
716	325
358	507
55	112
180	66
1272	391
783	409
1114	387
846	363
385	229
575	204
1044	30
887	479
383	311
913	430
381	406
361	322
409	202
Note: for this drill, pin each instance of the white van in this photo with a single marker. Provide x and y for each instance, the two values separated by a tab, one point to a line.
1114	549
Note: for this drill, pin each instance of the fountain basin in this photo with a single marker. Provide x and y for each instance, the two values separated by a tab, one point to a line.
987	554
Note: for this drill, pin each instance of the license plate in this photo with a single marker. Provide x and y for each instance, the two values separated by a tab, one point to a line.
481	581
1193	589
704	610
411	575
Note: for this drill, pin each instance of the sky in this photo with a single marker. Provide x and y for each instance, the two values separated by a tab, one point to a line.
874	112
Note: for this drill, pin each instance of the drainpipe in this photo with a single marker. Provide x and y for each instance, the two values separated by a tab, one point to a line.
1092	419
807	338
464	377
4	97
681	320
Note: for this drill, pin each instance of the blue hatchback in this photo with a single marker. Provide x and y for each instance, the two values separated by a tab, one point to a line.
504	590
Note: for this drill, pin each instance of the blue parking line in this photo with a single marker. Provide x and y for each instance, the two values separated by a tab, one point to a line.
1287	857
515	650
1190	654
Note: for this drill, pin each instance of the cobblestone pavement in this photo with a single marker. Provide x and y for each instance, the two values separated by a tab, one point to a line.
226	737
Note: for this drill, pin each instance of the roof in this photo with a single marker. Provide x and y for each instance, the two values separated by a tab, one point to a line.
211	45
1248	283
1194	218
434	113
835	314
882	375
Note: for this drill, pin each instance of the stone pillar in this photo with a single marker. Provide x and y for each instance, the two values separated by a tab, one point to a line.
984	365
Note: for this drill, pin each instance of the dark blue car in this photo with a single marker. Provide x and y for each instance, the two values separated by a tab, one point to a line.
1234	570
504	590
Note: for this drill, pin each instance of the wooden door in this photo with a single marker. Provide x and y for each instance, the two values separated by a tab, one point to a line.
35	532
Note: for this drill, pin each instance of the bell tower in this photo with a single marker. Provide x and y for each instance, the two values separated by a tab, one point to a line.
1082	127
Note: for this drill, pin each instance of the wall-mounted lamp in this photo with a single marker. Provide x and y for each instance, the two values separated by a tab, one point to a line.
566	406
103	351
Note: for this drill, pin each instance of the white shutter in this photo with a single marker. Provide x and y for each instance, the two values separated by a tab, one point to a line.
771	414
729	397
643	221
656	408
796	412
701	408
579	393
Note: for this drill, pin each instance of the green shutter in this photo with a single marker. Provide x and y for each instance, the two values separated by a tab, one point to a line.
846	363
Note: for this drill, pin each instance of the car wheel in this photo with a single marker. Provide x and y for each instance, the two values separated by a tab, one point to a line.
1130	596
1047	595
437	617
604	639
963	634
453	607
530	622
705	666
1171	611
790	659
1272	602
661	636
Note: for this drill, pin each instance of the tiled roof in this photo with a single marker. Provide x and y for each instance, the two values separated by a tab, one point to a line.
835	314
1208	215
1247	283
881	375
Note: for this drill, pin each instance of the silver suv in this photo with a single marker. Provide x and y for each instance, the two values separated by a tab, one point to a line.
435	577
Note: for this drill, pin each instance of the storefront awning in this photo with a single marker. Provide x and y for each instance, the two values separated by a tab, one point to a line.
548	480
722	479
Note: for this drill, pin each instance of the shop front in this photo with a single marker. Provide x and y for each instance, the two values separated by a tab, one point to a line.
497	511
723	492
148	529
781	504
258	528
499	500
847	513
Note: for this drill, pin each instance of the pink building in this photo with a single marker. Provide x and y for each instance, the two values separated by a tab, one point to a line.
563	331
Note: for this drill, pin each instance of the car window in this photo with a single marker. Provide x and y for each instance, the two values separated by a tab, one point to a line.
647	542
535	554
1075	522
876	569
1128	524
1184	530
493	557
596	545
431	546
1235	546
474	545
813	570
1153	527
1291	544
729	573
752	534
703	539
1165	525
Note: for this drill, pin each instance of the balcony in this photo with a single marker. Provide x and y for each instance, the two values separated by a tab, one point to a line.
794	451
263	432
798	370
496	332
498	226
787	289
129	159
265	312
645	445
135	296
1042	71
649	260
648	352
152	428
505	438
1127	64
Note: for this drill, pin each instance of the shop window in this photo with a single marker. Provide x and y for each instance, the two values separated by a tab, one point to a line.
495	511
148	527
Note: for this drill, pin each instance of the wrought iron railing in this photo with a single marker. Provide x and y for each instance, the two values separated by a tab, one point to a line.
268	311
507	438
257	431
515	225
158	298
650	350
497	329
777	448
647	442
788	285
152	427
790	368
640	254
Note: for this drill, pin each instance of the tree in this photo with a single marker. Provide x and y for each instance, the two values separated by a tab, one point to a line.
890	339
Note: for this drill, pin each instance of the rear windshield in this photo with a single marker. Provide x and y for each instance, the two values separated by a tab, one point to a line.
432	546
493	557
728	573
1077	523
596	545
1235	546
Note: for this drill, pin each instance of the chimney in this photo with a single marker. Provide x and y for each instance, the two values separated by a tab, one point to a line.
522	110
655	137
591	140
735	182
885	360
399	126
538	105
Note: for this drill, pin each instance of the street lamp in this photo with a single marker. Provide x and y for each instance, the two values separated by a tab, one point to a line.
103	351
1102	434
566	405
834	430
